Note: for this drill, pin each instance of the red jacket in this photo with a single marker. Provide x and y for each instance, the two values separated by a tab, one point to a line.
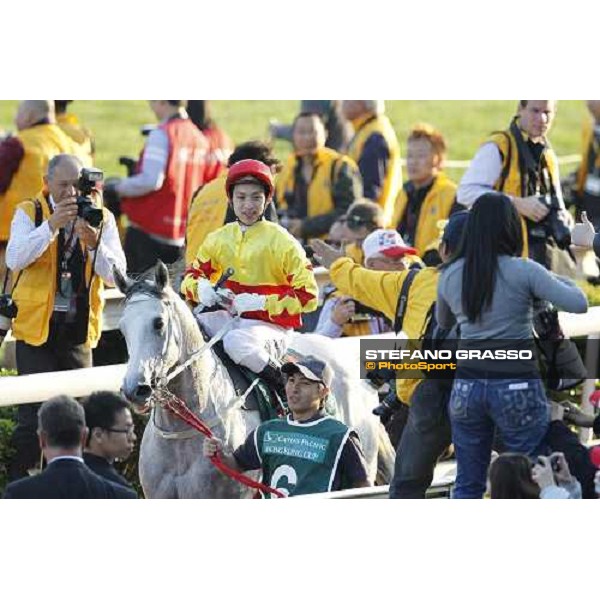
220	149
164	212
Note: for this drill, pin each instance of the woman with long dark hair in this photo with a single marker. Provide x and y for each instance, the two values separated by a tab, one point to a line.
510	478
490	291
515	476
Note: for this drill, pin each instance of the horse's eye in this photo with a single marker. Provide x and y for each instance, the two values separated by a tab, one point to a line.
158	324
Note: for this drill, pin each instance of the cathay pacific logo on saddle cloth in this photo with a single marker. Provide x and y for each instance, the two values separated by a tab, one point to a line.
298	445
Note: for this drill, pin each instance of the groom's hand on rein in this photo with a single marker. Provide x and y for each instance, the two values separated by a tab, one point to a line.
212	447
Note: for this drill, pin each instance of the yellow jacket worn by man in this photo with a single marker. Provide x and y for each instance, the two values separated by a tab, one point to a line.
207	213
333	186
272	283
40	143
81	135
434	203
381	292
37	288
384	250
587	188
375	149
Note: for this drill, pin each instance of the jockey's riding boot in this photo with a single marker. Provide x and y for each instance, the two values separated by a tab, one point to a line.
273	376
387	407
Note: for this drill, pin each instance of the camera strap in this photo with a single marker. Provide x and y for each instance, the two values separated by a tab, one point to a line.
93	272
39	218
403	300
535	179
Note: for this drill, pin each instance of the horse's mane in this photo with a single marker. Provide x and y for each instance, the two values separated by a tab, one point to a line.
145	282
149	288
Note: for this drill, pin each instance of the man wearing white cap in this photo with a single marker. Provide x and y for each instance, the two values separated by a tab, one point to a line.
309	451
383	250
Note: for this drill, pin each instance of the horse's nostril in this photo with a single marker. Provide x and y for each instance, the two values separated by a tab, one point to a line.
142	393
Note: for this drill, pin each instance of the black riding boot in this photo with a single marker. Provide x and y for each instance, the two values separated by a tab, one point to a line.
273	376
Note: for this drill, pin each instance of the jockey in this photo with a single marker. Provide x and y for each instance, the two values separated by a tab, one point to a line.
272	282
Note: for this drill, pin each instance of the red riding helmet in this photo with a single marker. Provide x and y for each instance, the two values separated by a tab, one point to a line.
250	171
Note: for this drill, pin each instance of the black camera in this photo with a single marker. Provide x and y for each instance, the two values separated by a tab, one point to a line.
554	463
86	208
554	225
8	311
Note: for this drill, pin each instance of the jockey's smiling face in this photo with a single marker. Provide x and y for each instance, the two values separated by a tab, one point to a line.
304	396
249	201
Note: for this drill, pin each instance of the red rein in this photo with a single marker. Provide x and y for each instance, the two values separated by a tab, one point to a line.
178	407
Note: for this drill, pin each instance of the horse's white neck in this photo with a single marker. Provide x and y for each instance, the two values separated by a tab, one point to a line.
207	390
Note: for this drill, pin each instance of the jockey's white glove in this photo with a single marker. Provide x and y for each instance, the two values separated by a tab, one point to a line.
248	302
206	293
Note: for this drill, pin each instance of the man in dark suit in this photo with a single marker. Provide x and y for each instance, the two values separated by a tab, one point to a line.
111	436
62	433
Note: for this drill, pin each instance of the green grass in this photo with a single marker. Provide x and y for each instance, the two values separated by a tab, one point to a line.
465	124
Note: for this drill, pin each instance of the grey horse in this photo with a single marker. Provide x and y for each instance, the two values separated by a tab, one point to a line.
162	333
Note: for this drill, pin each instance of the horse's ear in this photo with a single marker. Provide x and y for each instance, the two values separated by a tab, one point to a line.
122	281
161	275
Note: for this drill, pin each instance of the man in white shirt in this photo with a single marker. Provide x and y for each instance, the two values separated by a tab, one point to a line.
62	264
520	162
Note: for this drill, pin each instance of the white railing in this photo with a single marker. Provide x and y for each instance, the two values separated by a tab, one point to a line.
81	382
443	479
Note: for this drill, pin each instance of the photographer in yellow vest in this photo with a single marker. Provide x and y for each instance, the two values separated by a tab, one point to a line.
317	184
73	127
374	148
428	195
587	187
520	162
62	249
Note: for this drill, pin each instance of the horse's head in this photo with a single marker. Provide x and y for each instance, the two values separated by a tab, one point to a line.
152	331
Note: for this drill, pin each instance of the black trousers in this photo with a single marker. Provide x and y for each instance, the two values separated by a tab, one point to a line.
426	435
57	354
142	252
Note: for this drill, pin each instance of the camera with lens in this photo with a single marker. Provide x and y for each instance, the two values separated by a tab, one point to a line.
554	463
554	225
362	312
8	311
86	209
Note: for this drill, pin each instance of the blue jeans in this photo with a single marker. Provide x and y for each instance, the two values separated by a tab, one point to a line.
518	408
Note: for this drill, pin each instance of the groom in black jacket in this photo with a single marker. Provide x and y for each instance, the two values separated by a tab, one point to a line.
62	433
